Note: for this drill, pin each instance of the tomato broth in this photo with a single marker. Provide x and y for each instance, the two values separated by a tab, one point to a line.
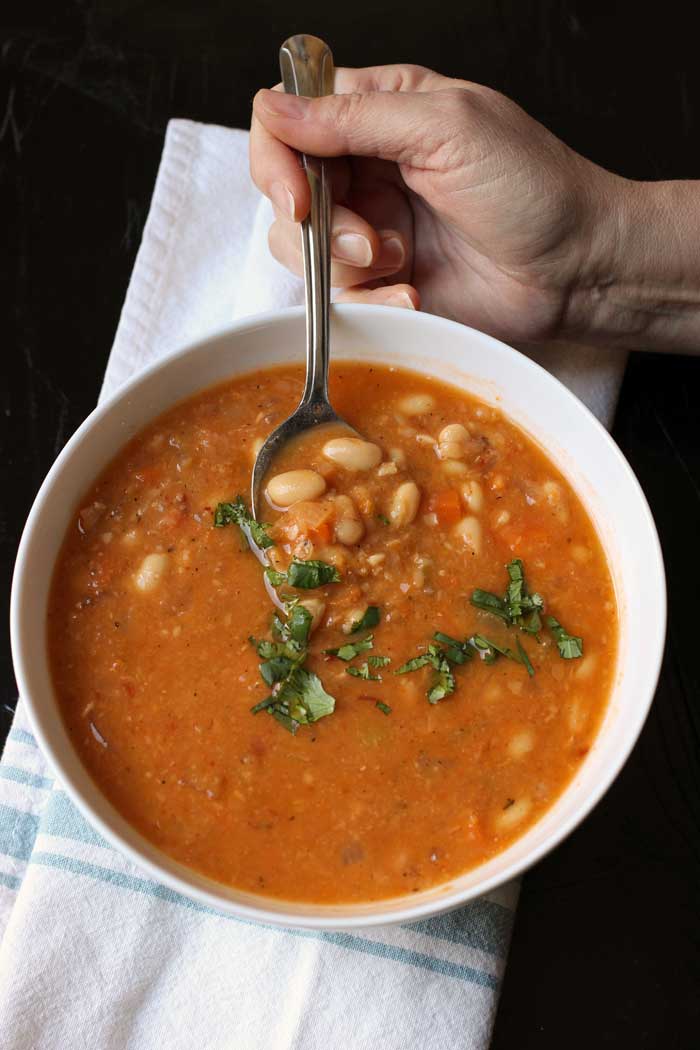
444	647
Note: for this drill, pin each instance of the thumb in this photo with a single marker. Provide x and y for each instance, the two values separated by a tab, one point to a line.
401	126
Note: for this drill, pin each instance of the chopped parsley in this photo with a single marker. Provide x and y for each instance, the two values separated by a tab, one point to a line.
297	696
442	682
364	672
370	618
570	647
519	608
304	575
378	661
451	651
490	651
351	649
384	708
237	513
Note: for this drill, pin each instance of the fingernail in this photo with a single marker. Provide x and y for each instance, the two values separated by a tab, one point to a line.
282	200
392	253
281	105
402	299
352	248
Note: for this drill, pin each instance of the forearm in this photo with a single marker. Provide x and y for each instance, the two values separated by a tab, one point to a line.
641	286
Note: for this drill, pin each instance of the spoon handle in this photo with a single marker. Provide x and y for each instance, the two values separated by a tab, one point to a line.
306	64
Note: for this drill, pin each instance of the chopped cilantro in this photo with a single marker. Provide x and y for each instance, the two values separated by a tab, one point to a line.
297	697
569	645
363	671
384	708
443	681
276	578
370	618
351	649
378	661
519	608
304	574
488	602
524	658
238	514
456	652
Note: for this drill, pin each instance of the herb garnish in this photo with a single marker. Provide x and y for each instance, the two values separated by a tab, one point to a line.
443	681
519	608
237	513
384	708
453	651
379	661
364	672
569	645
297	696
370	618
304	574
351	649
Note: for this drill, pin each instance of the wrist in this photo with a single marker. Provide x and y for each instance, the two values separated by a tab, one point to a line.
639	284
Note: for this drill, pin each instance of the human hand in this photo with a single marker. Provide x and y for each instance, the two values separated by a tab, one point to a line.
447	195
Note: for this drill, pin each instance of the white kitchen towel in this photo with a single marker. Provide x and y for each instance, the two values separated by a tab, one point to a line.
96	955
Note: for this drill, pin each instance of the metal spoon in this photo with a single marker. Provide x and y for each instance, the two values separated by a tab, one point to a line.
307	69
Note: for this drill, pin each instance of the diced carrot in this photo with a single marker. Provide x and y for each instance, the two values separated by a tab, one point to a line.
446	506
313	519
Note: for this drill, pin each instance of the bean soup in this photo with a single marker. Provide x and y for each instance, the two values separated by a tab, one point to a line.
400	683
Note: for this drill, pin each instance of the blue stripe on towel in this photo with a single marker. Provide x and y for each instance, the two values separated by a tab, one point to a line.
23	776
21	736
17	832
61	818
348	941
11	881
480	924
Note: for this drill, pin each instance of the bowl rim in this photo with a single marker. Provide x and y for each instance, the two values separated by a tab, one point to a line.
451	899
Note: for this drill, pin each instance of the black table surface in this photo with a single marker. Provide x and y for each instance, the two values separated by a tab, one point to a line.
606	949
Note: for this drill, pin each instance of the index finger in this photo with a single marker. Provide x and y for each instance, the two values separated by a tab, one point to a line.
399	77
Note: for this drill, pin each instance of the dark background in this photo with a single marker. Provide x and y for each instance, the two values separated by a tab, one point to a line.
606	945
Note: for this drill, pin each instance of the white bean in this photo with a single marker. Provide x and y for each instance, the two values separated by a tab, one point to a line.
317	607
349	531
352	453
293	486
557	501
502	518
454	467
404	504
469	531
454	432
522	743
513	814
473	495
416	404
151	571
397	456
586	666
450	450
386	469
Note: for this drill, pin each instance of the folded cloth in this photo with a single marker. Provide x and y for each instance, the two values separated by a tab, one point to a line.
94	953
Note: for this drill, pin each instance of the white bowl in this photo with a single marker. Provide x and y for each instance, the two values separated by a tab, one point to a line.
530	396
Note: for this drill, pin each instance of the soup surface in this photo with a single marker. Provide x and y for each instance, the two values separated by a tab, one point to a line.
444	646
